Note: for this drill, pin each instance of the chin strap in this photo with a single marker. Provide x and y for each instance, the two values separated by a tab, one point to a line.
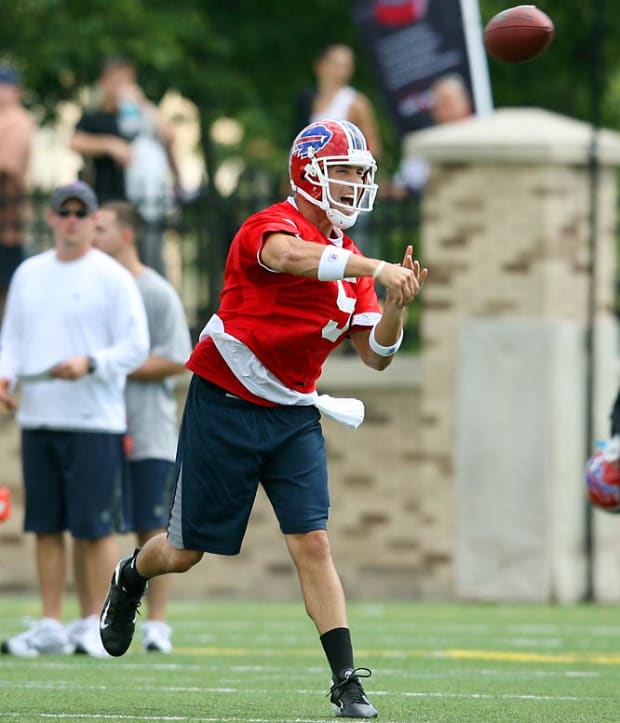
341	220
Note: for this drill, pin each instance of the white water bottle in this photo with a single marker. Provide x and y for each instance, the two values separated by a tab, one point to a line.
129	119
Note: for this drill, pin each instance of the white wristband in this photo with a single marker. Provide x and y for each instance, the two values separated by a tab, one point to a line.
332	263
378	270
384	350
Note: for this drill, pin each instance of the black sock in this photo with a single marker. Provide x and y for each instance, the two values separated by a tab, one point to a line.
131	579
338	649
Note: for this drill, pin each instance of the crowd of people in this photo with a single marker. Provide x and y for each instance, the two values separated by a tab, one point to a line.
81	420
127	146
92	340
127	151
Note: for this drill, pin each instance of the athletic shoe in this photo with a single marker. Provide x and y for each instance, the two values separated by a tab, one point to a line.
84	635
157	637
45	637
348	697
118	617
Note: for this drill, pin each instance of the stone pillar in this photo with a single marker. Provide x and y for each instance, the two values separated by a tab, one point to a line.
506	236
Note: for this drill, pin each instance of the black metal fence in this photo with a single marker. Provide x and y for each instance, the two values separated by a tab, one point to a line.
198	233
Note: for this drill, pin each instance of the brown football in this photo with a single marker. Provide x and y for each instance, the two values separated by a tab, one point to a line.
518	34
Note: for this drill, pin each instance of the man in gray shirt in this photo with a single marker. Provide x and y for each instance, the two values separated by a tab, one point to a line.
151	404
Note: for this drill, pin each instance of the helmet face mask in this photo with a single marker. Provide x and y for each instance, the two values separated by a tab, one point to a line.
319	149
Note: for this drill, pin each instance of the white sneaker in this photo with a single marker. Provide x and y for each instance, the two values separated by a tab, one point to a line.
45	637
84	634
157	637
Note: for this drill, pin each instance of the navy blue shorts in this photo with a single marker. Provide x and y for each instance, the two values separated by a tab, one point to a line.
73	481
227	447
146	494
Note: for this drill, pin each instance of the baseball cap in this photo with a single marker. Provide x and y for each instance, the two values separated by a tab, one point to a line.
9	76
79	191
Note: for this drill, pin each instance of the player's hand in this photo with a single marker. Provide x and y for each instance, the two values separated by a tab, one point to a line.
9	402
73	368
404	281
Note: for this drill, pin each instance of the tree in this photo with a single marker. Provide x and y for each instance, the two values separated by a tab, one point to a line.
247	59
236	58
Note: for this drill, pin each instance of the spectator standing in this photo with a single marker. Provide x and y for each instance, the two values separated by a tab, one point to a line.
334	98
151	405
74	328
130	150
17	128
450	101
294	287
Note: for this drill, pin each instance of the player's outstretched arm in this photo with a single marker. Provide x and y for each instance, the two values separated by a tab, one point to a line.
377	346
291	255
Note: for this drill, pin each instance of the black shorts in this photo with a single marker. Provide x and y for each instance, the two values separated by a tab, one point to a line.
146	494
227	447
73	481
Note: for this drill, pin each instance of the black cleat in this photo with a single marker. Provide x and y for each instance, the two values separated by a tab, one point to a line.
348	697
117	621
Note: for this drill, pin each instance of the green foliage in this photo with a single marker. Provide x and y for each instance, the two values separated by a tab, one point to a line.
237	58
248	59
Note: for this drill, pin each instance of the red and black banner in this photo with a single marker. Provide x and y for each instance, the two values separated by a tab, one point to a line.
412	43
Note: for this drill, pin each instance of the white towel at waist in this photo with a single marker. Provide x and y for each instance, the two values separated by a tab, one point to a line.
258	380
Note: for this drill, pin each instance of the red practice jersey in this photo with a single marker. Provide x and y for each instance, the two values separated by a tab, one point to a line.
291	323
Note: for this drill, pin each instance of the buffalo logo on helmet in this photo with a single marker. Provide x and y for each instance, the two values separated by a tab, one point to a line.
325	145
312	139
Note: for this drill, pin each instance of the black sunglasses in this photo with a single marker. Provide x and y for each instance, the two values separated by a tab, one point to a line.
65	213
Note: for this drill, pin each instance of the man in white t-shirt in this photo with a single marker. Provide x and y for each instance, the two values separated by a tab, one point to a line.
151	405
74	328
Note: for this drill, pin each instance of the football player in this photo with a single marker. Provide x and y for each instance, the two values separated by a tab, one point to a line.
295	286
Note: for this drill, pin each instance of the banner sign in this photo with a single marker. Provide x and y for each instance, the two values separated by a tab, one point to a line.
413	43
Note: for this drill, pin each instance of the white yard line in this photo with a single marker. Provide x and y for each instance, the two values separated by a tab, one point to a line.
66	685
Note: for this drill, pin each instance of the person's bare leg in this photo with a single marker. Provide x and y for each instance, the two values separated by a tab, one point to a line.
159	557
80	572
117	621
158	591
93	564
320	584
326	606
52	572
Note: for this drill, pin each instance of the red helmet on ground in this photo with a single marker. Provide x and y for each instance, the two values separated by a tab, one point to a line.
603	477
333	143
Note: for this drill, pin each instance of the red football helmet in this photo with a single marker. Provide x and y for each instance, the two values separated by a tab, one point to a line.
603	477
333	143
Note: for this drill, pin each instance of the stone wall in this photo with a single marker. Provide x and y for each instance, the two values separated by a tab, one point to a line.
504	414
387	538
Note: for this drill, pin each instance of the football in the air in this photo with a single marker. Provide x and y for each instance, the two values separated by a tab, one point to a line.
518	34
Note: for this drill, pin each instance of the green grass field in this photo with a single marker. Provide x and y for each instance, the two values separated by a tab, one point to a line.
262	663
